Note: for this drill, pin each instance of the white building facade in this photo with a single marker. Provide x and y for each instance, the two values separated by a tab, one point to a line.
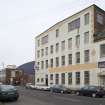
72	52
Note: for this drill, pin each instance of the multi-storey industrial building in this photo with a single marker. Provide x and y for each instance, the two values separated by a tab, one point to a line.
72	52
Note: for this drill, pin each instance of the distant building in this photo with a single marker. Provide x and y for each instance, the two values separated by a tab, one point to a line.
13	75
72	52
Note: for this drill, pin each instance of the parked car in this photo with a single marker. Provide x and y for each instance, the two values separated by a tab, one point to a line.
60	89
8	92
94	91
42	87
30	86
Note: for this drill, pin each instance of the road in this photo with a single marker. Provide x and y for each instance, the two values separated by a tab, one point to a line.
35	97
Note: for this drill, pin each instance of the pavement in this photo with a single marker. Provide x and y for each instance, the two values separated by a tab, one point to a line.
35	97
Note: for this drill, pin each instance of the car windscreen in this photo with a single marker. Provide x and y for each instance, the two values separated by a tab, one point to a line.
7	87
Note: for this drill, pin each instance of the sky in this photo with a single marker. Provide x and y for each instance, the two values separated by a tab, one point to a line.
22	20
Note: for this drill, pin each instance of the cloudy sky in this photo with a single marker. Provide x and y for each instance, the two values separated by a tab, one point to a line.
22	20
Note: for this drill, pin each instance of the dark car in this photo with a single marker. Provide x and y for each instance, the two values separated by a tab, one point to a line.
60	89
8	92
94	91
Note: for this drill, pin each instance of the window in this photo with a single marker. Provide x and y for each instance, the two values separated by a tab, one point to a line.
74	25
100	18
37	79
63	60
57	47
51	76
78	41
69	78
45	39
63	45
57	61
42	52
56	78
63	78
46	51
51	60
42	79
86	56
38	53
38	42
38	65
77	78
86	18
42	64
51	49
70	43
70	58
46	63
57	33
102	50
78	57
86	37
86	77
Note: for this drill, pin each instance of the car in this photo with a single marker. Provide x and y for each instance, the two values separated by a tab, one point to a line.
60	89
8	92
43	88
93	91
30	86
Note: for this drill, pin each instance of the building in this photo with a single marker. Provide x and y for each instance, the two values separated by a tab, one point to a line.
72	52
12	75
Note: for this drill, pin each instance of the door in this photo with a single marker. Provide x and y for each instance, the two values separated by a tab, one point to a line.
46	80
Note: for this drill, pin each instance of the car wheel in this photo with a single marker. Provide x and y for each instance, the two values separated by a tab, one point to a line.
93	95
62	91
77	93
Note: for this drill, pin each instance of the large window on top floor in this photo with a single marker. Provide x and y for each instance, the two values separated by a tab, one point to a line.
74	25
86	19
44	39
102	50
100	18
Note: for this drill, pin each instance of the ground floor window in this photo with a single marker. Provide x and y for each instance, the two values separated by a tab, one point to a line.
86	77
37	79
63	78
56	78
77	78
51	76
69	78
